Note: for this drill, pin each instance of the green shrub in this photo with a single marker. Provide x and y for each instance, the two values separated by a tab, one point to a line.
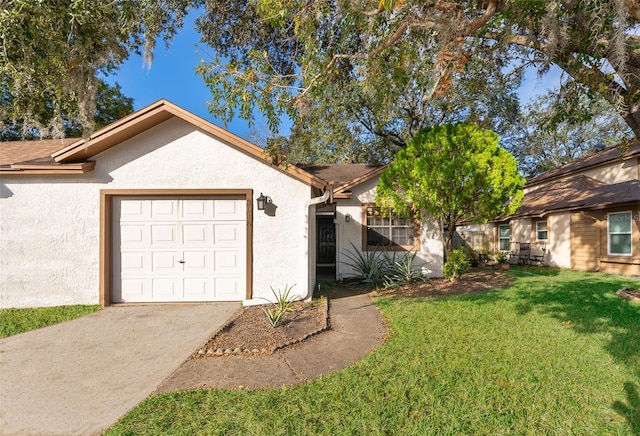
457	264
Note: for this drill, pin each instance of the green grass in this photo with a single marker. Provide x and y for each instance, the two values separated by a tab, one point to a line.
556	353
14	321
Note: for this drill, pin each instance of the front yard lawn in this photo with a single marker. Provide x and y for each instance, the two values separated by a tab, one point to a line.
555	353
14	321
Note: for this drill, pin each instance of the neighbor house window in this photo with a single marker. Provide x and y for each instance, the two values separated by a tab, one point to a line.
619	233
504	237
542	234
388	231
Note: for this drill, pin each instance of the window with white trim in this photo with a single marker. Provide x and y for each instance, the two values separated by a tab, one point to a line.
504	237
619	233
542	233
388	231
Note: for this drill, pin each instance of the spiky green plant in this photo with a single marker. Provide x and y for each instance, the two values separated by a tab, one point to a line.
282	304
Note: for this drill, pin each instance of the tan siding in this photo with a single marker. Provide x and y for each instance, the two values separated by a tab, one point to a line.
584	243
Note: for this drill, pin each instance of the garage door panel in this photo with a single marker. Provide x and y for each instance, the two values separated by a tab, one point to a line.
134	210
164	234
227	261
136	289
134	235
197	234
228	234
196	261
165	261
165	289
230	210
226	287
197	210
135	262
164	210
197	289
169	250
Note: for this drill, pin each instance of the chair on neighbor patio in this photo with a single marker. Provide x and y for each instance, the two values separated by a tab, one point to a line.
526	258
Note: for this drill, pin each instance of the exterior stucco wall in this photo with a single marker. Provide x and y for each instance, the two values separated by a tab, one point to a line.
49	226
429	258
481	238
520	232
559	245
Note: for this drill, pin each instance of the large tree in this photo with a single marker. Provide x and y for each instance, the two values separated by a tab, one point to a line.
52	53
111	105
454	173
542	138
280	54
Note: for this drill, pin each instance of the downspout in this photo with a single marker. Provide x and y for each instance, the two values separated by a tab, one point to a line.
327	196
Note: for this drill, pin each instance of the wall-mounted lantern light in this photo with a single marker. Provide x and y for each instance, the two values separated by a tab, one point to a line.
262	201
347	217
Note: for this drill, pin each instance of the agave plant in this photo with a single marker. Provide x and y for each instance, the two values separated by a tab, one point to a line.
369	265
282	304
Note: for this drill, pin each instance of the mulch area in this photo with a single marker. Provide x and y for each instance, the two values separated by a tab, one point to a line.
471	282
249	333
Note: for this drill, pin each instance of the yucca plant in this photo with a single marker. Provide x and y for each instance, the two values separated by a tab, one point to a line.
369	266
282	304
402	271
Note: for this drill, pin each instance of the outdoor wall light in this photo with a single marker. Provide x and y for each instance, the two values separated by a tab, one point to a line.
347	217
262	201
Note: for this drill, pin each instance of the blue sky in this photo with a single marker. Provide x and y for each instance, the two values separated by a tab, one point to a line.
172	76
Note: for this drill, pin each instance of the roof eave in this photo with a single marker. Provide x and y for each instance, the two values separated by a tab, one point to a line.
161	111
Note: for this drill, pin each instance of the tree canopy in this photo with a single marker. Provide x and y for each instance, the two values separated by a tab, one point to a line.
365	68
53	52
283	55
541	138
454	172
111	105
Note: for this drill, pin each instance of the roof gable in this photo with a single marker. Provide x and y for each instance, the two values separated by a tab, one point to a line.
344	177
76	153
579	192
596	159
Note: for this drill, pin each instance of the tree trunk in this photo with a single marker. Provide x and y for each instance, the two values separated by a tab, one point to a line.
632	118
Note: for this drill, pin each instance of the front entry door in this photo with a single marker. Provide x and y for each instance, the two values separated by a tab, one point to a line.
326	241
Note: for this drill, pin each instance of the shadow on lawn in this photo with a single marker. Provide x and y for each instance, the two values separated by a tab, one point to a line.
630	411
589	305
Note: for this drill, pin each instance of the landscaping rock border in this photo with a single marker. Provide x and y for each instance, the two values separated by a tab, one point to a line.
204	352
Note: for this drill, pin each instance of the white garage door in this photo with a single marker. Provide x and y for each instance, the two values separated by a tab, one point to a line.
179	249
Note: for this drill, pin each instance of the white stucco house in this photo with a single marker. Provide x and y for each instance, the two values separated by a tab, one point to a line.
161	206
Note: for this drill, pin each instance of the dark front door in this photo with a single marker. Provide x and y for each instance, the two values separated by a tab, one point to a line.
326	241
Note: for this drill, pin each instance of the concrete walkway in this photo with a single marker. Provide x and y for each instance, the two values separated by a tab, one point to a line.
357	328
81	376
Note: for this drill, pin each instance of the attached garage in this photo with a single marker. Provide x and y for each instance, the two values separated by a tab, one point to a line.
177	249
157	207
189	245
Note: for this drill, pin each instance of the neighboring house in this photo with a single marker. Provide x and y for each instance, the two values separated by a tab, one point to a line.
584	215
161	206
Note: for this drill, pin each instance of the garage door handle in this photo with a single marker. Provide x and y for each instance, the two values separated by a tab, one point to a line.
181	261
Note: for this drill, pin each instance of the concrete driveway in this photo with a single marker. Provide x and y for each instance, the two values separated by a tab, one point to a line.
81	376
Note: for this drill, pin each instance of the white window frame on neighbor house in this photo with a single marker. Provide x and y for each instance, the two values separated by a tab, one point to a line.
503	238
611	234
388	223
540	230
